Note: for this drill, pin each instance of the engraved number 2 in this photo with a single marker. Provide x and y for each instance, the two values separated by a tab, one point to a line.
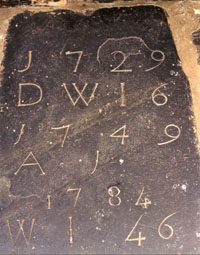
116	69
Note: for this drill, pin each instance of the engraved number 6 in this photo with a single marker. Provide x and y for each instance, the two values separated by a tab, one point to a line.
168	226
157	94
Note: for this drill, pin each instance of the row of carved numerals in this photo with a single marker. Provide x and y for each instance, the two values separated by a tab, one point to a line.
114	199
114	192
115	134
129	238
140	238
122	53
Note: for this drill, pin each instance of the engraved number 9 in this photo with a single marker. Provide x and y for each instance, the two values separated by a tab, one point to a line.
173	137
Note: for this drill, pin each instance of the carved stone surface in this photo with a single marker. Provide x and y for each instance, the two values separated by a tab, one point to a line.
97	148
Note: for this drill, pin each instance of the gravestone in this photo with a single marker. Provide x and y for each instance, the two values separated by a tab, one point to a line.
98	151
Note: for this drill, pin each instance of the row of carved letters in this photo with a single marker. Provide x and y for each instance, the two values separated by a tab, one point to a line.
129	237
158	98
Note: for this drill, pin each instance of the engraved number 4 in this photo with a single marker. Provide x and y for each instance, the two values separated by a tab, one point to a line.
146	202
123	136
140	238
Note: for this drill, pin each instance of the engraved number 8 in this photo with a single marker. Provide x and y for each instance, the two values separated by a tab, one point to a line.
114	196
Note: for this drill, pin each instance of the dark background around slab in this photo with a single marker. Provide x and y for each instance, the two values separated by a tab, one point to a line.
12	3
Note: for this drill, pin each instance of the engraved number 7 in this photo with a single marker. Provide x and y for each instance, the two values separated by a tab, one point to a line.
78	190
80	53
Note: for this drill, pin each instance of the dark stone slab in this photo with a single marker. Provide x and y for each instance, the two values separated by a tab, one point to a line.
99	185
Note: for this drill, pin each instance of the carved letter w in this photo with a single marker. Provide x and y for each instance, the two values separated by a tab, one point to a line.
21	230
80	93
